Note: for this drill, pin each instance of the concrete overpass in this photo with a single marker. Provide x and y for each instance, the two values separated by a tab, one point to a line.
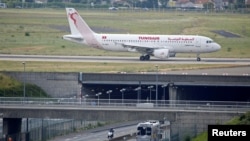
161	78
169	86
176	88
182	116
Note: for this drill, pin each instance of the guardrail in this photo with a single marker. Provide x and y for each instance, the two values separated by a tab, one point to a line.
159	104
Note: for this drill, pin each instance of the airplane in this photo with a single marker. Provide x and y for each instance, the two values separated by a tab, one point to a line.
159	46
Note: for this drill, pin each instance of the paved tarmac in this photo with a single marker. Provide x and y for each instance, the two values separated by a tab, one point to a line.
115	59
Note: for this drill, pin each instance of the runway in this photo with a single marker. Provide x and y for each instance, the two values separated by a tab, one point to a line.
115	59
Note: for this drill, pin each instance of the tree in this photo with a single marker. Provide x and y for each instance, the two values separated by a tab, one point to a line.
54	0
151	3
164	3
240	4
208	5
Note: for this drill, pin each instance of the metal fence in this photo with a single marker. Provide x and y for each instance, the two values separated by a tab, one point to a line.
128	103
44	129
51	128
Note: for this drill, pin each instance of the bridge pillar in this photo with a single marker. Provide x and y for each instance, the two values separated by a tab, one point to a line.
12	128
172	93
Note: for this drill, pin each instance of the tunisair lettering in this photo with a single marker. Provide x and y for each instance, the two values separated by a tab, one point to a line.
148	38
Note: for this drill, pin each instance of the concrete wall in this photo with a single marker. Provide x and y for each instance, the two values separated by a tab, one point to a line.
183	123
163	78
193	123
53	83
66	84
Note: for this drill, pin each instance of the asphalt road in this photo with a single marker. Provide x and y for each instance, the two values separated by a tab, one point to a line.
241	70
115	59
99	134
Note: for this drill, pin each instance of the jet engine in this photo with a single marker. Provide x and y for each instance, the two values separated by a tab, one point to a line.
161	53
172	54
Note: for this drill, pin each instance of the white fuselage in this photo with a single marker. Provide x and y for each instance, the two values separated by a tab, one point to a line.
159	46
175	43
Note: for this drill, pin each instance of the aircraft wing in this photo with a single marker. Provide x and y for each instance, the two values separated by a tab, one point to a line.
144	49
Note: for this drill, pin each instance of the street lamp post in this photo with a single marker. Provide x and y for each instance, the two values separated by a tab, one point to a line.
98	94
150	88
108	92
156	85
164	93
137	89
24	88
24	95
122	91
85	98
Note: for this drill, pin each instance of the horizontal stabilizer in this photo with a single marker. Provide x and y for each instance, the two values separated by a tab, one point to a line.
76	38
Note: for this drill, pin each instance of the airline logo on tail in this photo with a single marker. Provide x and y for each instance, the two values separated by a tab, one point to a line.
71	15
78	26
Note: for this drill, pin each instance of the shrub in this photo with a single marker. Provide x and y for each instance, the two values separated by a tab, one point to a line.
27	34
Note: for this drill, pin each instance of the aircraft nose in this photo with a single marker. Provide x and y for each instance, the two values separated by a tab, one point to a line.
217	47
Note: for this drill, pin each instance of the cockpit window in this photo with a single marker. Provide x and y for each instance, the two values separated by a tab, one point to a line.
210	41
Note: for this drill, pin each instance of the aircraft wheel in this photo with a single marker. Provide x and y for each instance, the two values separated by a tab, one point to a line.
147	57
142	58
198	59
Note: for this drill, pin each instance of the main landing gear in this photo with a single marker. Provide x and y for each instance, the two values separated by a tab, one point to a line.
198	57
145	57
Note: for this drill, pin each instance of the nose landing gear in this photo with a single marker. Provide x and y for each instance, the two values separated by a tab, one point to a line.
198	57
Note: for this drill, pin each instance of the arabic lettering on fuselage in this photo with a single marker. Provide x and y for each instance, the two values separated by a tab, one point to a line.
149	38
157	38
181	39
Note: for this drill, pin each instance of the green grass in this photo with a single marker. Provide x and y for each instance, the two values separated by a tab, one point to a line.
240	120
8	82
39	32
10	87
45	39
98	67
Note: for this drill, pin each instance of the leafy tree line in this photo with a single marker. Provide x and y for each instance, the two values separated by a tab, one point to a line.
98	4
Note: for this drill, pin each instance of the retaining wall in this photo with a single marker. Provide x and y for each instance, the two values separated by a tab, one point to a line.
54	84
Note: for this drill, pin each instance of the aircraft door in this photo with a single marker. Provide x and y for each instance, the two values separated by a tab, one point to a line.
198	44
